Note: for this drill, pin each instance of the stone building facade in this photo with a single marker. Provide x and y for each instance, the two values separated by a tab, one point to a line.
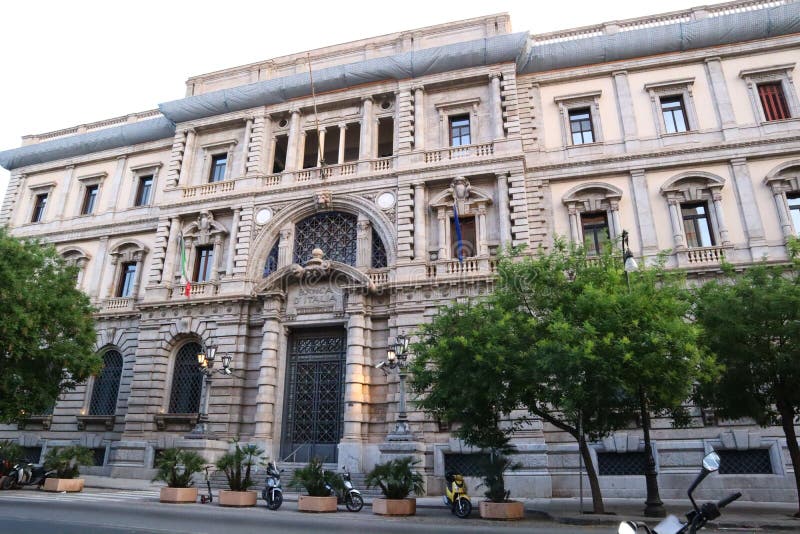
319	226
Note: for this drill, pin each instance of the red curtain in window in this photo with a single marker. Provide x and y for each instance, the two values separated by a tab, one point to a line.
773	101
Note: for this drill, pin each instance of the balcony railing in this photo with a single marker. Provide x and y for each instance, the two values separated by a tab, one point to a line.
706	255
379	278
458	152
118	303
213	188
469	267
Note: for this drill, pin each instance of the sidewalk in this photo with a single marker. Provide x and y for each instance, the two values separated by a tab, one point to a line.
769	517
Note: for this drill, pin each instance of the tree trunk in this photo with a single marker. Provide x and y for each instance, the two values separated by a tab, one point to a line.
787	421
594	483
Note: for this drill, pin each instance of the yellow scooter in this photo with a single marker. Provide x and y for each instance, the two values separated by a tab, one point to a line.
455	495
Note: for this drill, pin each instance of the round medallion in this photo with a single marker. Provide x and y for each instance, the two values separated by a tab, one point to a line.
263	216
385	200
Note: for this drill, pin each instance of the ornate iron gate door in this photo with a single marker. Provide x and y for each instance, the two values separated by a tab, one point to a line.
314	406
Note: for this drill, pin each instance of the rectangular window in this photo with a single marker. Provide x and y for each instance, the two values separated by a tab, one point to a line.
580	126
595	232
202	265
469	245
89	199
674	113
127	279
746	462
459	130
38	208
218	165
773	102
794	211
144	190
621	463
696	225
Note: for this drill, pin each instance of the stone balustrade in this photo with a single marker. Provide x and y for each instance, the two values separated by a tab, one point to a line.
458	152
209	189
705	255
118	303
468	267
379	278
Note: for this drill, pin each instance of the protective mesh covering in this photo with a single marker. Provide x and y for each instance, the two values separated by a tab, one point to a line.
77	145
725	29
487	51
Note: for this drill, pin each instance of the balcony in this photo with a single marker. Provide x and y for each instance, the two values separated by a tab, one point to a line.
379	278
460	152
117	304
455	268
202	289
210	189
705	255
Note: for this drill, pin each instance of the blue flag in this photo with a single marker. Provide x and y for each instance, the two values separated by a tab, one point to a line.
458	234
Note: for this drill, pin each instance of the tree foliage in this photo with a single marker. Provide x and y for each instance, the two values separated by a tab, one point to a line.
752	322
47	332
177	466
238	464
397	478
315	479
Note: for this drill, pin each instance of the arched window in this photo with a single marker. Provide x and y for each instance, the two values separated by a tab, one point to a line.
379	260
187	380
106	385
272	261
334	232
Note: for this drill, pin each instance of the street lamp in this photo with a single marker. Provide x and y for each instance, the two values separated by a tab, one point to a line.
397	359
205	363
653	507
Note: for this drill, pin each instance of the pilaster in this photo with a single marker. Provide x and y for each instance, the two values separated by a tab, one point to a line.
627	117
405	223
743	186
644	215
116	181
243	237
420	223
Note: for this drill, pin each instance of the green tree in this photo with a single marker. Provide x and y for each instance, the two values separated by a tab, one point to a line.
47	332
752	322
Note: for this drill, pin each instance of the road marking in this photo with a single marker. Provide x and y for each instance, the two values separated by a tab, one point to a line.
110	496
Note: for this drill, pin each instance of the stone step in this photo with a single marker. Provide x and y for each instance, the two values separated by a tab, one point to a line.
218	480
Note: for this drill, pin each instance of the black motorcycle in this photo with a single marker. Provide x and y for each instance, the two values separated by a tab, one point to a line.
24	473
697	518
272	492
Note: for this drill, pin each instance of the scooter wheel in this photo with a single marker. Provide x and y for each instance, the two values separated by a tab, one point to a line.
354	503
463	508
276	502
8	483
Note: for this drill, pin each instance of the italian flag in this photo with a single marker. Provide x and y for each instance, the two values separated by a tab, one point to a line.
185	282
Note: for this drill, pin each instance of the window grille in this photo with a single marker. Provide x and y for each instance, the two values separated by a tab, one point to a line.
106	385
187	380
621	463
334	232
379	260
747	462
272	261
469	465
32	454
99	456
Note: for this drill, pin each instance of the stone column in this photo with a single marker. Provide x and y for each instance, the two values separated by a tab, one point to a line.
716	196
98	268
342	132
719	91
113	268
191	253
273	143
783	210
81	264
291	142
574	224
365	150
419	118
266	148
248	132
268	370
616	225
420	223
750	213
483	244
188	158
320	146
644	215
113	193
137	283
301	150
285	248
677	223
444	246
496	105
168	272
354	394
237	213
503	211
64	197
363	243
216	260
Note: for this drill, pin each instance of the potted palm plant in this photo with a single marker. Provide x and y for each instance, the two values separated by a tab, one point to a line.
237	466
318	484
65	461
397	480
497	504
176	467
10	452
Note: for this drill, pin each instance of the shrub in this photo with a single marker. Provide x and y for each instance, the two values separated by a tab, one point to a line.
396	478
237	465
176	467
65	460
492	469
313	478
10	452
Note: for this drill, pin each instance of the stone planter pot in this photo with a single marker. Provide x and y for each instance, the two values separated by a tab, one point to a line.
63	484
307	503
178	495
394	506
238	499
508	511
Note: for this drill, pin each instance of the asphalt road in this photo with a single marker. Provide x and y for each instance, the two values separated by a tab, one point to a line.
63	515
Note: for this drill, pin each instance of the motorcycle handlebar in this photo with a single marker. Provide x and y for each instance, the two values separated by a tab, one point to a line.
729	499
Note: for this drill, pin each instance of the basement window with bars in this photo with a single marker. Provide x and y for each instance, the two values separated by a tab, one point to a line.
468	465
621	463
99	454
746	462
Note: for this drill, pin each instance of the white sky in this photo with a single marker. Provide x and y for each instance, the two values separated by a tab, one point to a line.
71	62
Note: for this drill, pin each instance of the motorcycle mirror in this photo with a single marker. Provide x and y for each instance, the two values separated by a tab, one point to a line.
711	462
627	527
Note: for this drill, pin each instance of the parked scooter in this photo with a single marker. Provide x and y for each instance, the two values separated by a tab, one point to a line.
455	495
272	492
207	499
24	473
697	518
350	496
